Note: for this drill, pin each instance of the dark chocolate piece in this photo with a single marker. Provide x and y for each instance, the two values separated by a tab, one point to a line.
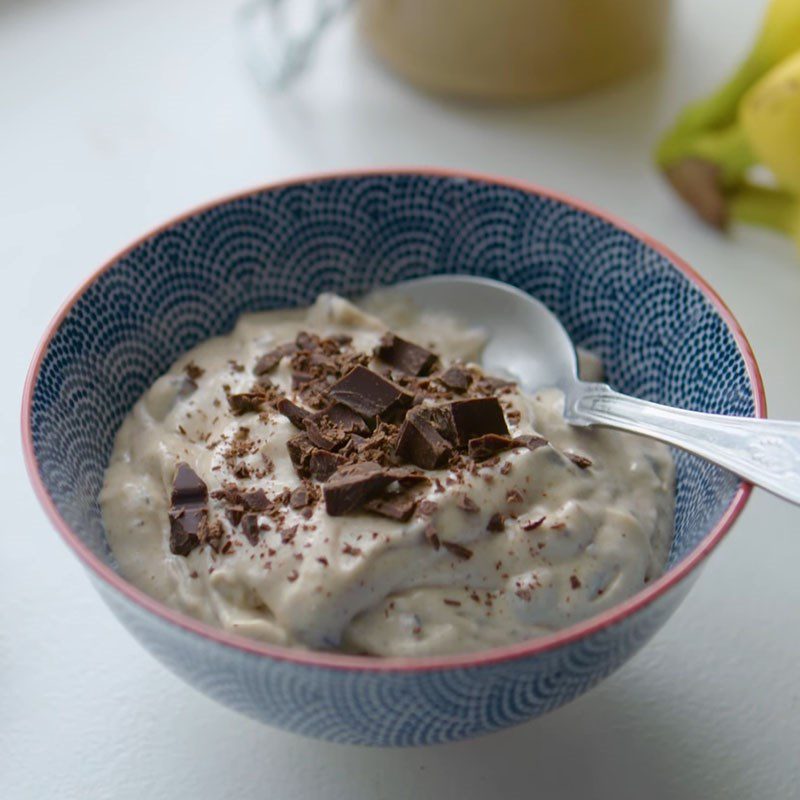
488	445
432	536
405	356
301	497
531	442
476	417
188	489
330	439
467	504
580	461
497	523
246	402
306	341
532	524
394	506
235	514
300	450
294	413
369	395
250	528
256	500
458	550
185	528
351	486
456	379
420	443
340	416
193	372
322	464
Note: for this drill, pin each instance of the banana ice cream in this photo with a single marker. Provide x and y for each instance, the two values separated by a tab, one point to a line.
348	478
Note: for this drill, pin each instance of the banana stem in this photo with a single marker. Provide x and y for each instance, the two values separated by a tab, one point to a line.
769	208
728	149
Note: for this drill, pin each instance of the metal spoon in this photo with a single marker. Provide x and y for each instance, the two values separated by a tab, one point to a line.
527	340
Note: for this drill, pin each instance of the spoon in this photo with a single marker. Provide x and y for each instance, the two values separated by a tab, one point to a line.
528	341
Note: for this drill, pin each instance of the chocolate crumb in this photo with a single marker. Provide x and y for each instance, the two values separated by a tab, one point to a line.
456	378
448	602
467	504
246	402
432	536
250	528
514	496
193	372
458	550
582	462
574	582
293	576
532	524
497	523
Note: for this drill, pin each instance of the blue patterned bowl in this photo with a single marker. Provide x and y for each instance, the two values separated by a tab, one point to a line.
662	333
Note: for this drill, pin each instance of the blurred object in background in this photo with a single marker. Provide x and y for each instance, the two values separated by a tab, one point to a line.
500	50
735	155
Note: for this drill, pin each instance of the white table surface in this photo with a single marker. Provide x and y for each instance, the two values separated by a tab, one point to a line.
117	115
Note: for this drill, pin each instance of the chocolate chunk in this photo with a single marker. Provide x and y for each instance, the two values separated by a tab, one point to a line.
193	372
250	528
467	504
256	500
306	341
369	395
420	443
331	439
532	524
351	486
476	417
458	550
340	416
488	445
497	523
187	487
235	514
301	497
407	477
580	461
405	356
428	508
398	506
514	496
246	402
270	360
185	529
294	413
300	379
432	536
322	464
531	442
300	450
456	379
575	582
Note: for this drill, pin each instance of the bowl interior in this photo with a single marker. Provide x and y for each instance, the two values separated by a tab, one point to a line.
659	336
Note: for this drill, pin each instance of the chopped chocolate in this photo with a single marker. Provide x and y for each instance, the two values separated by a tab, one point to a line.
488	445
294	413
369	395
448	602
322	464
250	528
301	497
477	416
532	524
287	534
458	550
246	402
340	416
432	536
398	506
234	514
332	439
300	450
306	341
456	378
531	442
256	500
185	528
350	550
497	523
405	356
300	379
267	362
575	582
241	470
514	496
580	461
420	443
427	508
193	372
187	487
293	576
467	504
352	485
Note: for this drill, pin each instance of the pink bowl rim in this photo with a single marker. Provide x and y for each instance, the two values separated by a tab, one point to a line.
338	661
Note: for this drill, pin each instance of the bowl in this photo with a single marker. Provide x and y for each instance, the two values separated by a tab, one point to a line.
661	331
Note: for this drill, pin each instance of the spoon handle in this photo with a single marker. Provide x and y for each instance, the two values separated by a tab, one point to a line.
763	452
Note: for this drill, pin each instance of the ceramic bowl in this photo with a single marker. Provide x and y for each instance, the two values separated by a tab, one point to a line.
661	331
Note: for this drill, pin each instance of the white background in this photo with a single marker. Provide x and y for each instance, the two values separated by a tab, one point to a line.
117	115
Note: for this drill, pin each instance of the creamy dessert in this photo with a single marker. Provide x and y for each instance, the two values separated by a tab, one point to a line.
348	478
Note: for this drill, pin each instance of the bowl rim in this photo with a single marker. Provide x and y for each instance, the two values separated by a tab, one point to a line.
339	661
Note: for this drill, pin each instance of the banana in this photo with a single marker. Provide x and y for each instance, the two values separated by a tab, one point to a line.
778	38
769	208
769	115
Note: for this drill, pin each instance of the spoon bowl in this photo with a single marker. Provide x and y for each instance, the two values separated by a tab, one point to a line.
526	340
